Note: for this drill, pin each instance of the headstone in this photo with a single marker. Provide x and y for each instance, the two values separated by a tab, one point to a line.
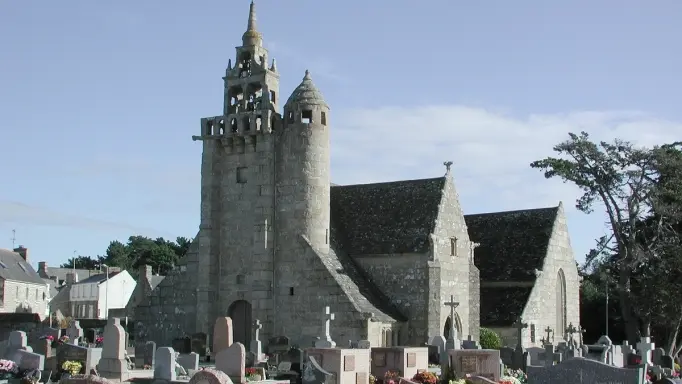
406	360
313	373
164	367
149	353
200	343
210	376
232	361
17	341
89	335
279	344
113	364
583	371
74	332
84	379
656	355
644	347
469	343
667	362
326	339
222	334
27	360
476	362
519	354
88	357
256	347
188	361
182	345
139	355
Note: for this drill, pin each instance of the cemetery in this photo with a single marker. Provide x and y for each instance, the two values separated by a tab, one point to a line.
217	359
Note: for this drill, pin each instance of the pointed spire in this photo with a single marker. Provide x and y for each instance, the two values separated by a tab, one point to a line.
307	76
229	64
273	67
252	36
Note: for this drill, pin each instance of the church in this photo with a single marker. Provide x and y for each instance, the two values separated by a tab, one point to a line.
278	242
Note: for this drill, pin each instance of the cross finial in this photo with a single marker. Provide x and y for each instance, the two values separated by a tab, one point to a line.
257	325
549	332
447	165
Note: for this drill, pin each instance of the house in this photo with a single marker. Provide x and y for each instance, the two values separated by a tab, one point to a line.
146	282
93	297
21	288
59	281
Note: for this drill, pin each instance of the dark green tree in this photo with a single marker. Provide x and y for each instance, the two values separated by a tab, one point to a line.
161	254
82	262
628	182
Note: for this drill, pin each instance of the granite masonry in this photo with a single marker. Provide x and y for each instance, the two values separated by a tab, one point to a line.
278	242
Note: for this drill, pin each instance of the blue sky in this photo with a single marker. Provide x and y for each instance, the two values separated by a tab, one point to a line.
99	100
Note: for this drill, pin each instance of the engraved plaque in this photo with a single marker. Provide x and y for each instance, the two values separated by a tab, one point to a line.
380	359
411	360
361	378
469	364
348	363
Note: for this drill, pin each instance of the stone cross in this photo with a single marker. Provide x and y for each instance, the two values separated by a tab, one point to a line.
570	331
329	317
257	325
452	304
543	341
581	332
74	332
549	332
447	165
520	326
644	347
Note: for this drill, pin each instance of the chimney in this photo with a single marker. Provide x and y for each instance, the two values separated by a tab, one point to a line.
42	269
70	278
146	272
23	252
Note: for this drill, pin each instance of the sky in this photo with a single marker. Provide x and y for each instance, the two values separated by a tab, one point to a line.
99	100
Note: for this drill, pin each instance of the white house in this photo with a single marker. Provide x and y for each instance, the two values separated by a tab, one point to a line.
93	297
21	289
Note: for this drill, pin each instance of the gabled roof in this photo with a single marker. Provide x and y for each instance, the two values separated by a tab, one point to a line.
14	267
384	218
60	273
513	243
501	306
99	279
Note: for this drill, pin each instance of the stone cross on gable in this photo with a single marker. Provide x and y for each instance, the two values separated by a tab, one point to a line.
520	326
74	332
257	327
447	165
452	304
549	331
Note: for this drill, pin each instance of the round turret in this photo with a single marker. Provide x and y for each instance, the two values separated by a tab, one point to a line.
306	94
306	104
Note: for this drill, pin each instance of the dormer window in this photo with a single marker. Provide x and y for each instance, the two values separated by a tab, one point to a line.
306	117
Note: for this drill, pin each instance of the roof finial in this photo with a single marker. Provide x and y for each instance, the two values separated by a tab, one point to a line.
447	165
307	75
252	36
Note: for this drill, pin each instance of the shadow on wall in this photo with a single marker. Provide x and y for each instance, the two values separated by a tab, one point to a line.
23	308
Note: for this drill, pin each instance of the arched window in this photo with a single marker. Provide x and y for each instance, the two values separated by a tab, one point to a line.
561	315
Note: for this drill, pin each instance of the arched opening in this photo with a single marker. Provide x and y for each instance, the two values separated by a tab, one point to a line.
240	313
561	315
448	324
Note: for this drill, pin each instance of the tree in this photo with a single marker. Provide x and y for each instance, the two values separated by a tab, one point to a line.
82	262
161	254
625	180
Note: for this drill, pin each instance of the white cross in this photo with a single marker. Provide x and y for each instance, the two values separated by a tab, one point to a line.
329	316
452	304
644	347
257	326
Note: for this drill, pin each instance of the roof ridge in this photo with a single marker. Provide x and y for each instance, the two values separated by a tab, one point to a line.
513	211
387	182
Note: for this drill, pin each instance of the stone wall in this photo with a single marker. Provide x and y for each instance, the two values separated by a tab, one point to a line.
24	297
542	307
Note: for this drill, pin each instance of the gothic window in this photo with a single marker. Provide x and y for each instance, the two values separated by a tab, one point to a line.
273	97
323	118
560	304
532	333
453	246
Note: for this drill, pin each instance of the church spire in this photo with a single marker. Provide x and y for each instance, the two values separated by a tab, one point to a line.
252	36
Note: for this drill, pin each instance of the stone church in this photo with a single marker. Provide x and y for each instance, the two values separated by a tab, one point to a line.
278	242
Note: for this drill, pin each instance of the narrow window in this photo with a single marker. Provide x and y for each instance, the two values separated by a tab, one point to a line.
532	333
221	127
241	279
273	97
307	117
290	117
241	175
326	236
233	126
291	291
209	128
323	118
453	246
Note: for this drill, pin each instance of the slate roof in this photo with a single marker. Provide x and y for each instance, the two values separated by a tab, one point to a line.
513	243
14	267
501	306
60	273
384	218
99	278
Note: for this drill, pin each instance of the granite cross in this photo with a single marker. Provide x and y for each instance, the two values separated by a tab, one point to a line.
644	347
74	332
447	165
452	304
520	326
549	332
257	327
329	316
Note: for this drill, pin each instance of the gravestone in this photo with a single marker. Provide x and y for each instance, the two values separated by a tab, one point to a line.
74	332
149	353
164	367
452	341
313	373
232	361
88	357
113	364
222	334
279	344
17	341
256	347
200	343
583	371
189	361
469	343
210	376
182	345
476	362
644	347
326	339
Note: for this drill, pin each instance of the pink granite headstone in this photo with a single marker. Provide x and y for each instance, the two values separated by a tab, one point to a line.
232	361
210	376
222	334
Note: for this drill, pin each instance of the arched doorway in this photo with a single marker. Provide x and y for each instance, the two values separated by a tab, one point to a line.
240	312
448	324
561	314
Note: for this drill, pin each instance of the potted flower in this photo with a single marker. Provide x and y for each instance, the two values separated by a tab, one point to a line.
252	374
425	377
8	369
99	340
391	377
64	339
72	367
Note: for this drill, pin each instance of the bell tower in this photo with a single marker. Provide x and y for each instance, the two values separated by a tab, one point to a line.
251	86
